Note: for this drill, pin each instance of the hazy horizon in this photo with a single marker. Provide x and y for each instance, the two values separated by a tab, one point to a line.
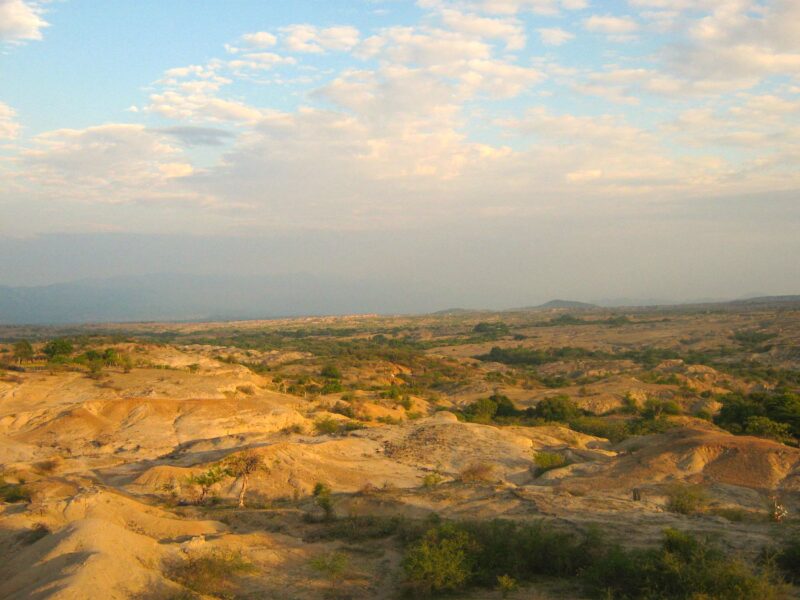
411	155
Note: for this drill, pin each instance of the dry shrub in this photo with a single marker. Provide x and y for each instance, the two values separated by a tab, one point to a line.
368	489
209	574
477	472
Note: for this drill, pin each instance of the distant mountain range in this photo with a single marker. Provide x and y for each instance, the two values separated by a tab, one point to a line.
170	297
174	297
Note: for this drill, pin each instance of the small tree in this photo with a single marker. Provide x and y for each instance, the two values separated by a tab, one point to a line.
23	351
242	466
205	481
322	496
59	347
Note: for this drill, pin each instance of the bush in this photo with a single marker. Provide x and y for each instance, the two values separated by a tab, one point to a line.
333	565
451	557
327	426
432	480
653	409
209	573
13	492
547	461
682	567
331	372
788	560
481	411
506	585
686	499
767	428
442	561
322	497
558	408
478	472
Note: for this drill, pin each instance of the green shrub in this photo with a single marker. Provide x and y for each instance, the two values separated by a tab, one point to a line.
331	372
767	428
481	411
327	426
333	565
686	499
614	430
56	348
547	461
443	560
323	499
431	480
506	585
682	567
557	408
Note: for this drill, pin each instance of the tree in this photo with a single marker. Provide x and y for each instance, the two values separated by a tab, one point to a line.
207	480
59	347
242	466
23	351
558	408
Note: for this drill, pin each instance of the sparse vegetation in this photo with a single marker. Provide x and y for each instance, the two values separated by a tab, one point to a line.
477	472
211	573
14	492
686	499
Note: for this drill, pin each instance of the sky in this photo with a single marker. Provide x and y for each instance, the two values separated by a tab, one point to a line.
502	152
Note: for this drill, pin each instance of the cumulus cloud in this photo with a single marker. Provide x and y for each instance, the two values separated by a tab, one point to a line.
259	39
20	21
406	126
314	40
510	31
115	163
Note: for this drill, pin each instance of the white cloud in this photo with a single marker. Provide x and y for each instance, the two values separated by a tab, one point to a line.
258	61
509	30
20	21
554	36
259	39
424	47
313	40
9	128
114	163
611	25
511	7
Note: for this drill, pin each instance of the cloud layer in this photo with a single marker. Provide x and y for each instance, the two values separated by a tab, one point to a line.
475	108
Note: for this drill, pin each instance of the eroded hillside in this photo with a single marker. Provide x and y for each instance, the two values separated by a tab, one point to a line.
121	451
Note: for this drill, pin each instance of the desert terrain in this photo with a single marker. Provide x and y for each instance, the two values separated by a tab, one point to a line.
556	452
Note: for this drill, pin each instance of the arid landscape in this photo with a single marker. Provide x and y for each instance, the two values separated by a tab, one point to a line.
558	452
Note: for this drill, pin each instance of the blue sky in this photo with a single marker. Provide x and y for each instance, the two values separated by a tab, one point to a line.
251	118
